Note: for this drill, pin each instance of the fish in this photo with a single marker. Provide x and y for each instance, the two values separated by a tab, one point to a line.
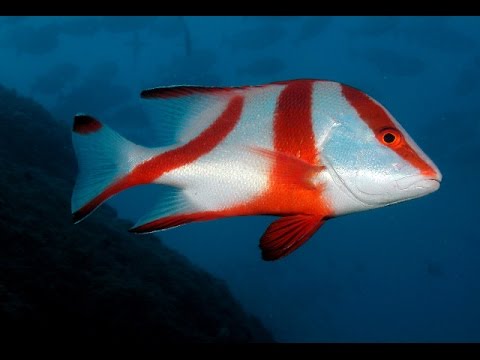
304	150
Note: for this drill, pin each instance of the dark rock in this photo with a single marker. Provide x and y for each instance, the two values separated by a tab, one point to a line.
93	282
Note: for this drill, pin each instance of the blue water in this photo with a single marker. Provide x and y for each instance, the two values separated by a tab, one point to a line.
408	272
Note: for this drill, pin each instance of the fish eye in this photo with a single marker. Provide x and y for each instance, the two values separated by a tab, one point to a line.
390	137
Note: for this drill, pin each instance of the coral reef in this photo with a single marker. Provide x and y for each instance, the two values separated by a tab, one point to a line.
92	282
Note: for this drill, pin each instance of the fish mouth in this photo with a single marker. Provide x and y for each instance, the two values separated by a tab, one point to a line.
419	183
416	186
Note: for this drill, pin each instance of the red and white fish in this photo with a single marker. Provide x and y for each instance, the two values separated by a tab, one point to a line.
304	150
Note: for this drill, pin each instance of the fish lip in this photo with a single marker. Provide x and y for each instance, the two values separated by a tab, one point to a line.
438	181
418	181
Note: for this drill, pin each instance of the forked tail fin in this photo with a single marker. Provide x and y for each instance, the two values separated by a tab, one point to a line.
105	159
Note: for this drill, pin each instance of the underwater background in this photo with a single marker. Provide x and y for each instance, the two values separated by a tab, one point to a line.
405	273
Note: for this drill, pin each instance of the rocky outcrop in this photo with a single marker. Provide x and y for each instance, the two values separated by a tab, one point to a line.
92	282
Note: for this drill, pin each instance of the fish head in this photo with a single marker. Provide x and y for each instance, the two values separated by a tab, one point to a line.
373	160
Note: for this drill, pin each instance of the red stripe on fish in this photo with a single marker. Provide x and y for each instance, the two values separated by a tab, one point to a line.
378	120
292	126
294	139
152	169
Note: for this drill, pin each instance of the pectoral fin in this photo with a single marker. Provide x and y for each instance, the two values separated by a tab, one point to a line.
288	233
290	169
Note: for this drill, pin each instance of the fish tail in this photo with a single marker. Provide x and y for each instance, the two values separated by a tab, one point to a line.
105	160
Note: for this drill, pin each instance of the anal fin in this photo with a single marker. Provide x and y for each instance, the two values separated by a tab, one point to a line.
287	234
171	211
171	221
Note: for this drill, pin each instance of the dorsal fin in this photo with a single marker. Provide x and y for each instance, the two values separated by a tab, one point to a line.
176	91
181	113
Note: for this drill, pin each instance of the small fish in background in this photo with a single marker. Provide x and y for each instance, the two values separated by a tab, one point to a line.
56	79
312	27
263	68
304	150
390	62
